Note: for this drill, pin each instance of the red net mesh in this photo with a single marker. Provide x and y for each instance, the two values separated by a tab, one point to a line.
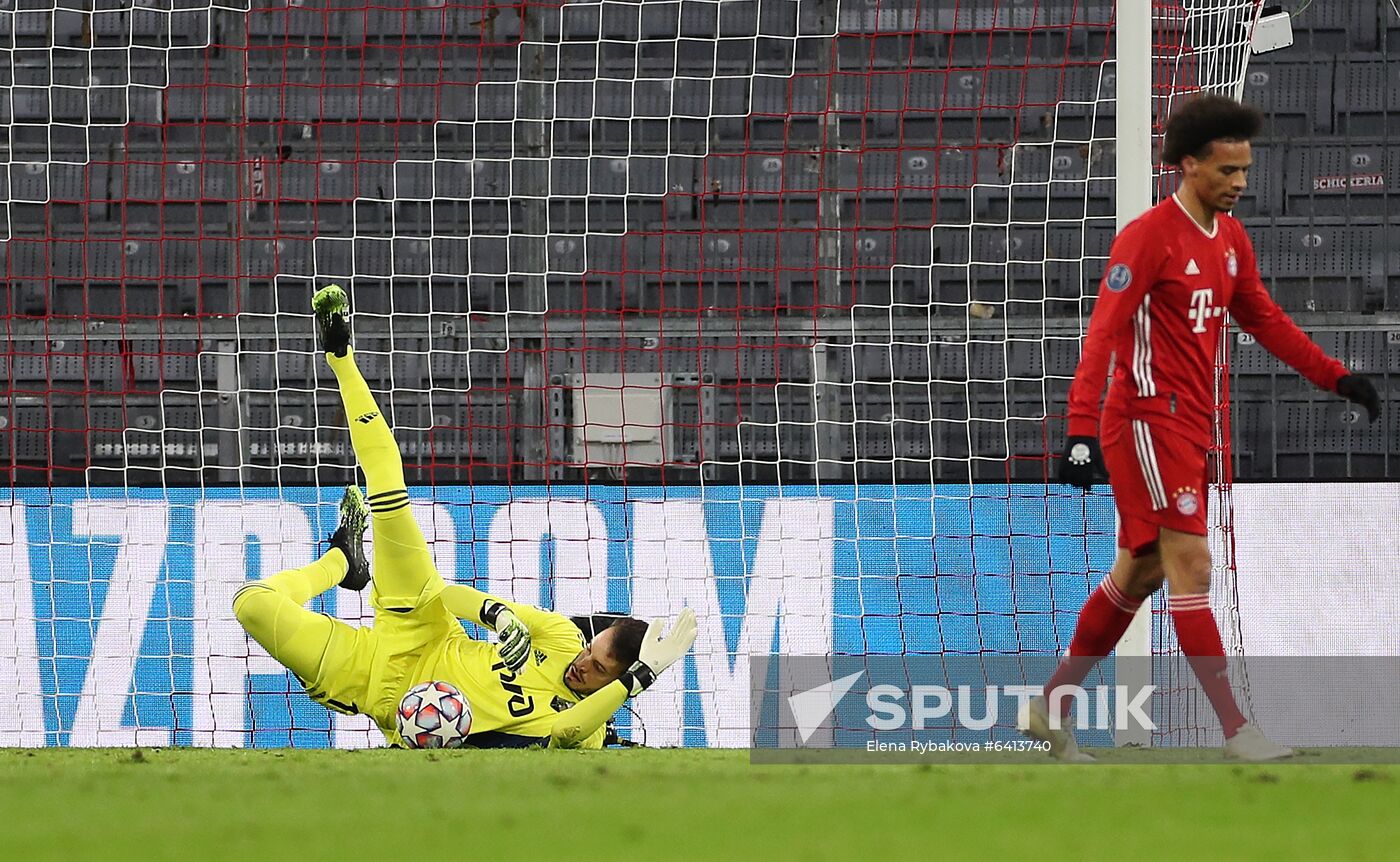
688	189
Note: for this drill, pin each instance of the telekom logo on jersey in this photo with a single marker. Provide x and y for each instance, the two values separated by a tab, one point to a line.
569	548
1202	308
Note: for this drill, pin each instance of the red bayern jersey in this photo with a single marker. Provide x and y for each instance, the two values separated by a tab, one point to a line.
1158	316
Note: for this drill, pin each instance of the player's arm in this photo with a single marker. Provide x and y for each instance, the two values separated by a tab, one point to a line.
574	726
513	623
1133	264
1257	313
578	723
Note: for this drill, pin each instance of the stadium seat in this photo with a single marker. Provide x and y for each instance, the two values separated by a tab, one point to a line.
69	182
1389	34
1366	351
1392	353
186	101
1341	177
1392	265
1248	357
1336	28
289	254
895	361
892	17
1368	96
1296	97
1333	342
1060	357
28	257
183	181
29	181
1025	359
476	368
1327	439
651	98
1322	266
141	181
1252	447
486	255
1264	196
616	176
287	23
172	365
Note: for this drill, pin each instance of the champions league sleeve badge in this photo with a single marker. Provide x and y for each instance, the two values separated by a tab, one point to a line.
1118	278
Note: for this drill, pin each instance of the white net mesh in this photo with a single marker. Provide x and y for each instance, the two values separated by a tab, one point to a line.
766	308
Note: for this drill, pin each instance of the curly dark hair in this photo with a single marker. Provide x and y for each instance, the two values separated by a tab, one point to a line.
627	642
1205	118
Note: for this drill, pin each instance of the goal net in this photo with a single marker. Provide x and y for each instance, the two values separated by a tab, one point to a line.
764	307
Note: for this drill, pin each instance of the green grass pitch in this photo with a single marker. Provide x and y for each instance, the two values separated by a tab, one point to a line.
112	805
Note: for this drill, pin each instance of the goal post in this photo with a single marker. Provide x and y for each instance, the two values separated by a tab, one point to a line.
1133	196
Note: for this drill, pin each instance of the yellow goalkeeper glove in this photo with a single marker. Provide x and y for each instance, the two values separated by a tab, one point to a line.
512	636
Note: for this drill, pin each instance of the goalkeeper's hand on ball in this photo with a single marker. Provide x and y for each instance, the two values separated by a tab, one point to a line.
658	653
513	637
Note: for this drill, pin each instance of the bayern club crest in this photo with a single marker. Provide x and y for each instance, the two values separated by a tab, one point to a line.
1187	501
1232	264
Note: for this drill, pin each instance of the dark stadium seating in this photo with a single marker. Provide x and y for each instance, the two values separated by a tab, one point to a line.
1338	27
1368	96
1265	194
1342	177
1295	94
402	172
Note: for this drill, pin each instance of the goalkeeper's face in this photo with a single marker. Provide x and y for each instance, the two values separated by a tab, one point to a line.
596	666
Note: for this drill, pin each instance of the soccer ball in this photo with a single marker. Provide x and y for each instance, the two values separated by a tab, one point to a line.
434	715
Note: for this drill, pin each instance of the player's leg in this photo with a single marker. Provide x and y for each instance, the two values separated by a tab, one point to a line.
1105	617
1101	623
1186	558
404	574
1187	562
311	645
1177	471
1136	575
272	611
1175	474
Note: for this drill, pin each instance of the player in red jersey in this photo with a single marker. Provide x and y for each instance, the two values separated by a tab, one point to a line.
1173	273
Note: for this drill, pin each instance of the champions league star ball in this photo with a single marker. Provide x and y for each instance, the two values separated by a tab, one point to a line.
434	715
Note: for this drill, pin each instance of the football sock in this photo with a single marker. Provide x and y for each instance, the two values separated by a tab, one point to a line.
404	574
303	584
1101	624
371	438
1199	638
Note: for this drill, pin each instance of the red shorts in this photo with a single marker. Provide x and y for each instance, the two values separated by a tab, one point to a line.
1158	479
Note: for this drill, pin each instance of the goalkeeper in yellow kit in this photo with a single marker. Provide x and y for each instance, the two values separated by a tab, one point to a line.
542	684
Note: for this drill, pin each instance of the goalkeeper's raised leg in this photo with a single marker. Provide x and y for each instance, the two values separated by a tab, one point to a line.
404	575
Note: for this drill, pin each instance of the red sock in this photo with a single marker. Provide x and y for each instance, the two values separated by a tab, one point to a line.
1199	638
1101	624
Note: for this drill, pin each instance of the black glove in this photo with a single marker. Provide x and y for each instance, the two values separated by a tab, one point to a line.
1359	390
1082	462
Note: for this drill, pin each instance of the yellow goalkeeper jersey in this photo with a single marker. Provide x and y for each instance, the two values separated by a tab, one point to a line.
511	710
